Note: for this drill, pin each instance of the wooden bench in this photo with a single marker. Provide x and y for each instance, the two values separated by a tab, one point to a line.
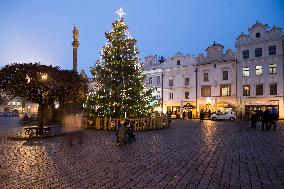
34	130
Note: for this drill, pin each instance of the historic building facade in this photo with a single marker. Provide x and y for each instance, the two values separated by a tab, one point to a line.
251	77
260	68
216	79
174	81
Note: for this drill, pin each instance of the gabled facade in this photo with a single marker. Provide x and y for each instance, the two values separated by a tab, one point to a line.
216	79
260	68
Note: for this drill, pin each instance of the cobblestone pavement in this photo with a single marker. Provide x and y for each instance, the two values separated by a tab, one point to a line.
187	155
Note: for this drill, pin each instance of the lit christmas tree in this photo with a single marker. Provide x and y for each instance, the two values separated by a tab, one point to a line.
117	78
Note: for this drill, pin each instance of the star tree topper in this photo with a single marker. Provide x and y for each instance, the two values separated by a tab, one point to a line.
120	12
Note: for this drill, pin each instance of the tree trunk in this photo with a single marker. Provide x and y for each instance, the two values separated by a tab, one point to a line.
41	109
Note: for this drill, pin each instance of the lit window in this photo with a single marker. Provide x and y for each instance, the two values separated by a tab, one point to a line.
18	103
258	70
14	103
272	68
246	72
246	90
225	90
206	91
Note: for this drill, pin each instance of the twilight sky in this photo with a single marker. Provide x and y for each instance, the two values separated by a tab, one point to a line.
41	31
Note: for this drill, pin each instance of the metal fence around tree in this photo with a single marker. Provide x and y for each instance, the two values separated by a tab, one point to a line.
140	124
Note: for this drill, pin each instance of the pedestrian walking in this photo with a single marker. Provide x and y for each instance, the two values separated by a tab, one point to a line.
273	118
122	134
201	117
190	114
265	119
130	129
183	115
209	113
253	119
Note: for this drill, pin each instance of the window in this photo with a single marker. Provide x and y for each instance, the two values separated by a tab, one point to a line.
158	79
272	68
150	80
273	89
246	54
186	95
171	82
258	52
186	81
257	35
158	95
259	89
178	62
272	50
214	65
171	95
258	70
246	72
205	91
225	90
246	90
205	77
225	75
18	103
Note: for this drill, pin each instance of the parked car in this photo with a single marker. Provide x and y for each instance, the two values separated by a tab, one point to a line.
1	114
228	115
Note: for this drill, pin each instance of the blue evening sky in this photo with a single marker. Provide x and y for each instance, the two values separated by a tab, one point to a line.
41	30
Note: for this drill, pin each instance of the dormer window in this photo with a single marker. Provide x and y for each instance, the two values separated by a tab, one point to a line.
257	35
178	62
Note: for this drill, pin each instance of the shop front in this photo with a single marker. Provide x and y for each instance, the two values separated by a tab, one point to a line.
250	106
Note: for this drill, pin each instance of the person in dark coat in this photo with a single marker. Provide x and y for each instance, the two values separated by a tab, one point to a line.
130	129
273	118
201	115
265	119
209	113
254	119
190	114
183	115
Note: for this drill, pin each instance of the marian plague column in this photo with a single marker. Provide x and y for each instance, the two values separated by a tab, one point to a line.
75	45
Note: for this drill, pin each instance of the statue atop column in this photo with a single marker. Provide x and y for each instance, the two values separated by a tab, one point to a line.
75	37
75	45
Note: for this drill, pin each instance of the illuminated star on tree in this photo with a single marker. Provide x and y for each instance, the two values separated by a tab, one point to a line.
120	12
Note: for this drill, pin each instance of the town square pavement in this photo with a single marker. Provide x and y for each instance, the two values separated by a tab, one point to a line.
189	154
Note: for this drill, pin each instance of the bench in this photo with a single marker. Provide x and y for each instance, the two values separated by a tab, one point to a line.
34	130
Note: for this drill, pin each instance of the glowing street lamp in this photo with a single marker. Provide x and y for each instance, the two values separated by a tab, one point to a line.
44	76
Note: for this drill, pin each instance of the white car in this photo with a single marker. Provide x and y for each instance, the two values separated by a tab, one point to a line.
228	115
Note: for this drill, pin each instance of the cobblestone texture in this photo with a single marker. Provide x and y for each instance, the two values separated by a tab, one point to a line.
187	155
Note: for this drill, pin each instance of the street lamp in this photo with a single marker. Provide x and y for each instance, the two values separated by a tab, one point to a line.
44	77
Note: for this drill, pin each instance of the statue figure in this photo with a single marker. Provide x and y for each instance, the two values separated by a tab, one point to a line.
75	34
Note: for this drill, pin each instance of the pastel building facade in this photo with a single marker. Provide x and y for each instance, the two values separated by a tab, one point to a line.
260	69
250	78
216	79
